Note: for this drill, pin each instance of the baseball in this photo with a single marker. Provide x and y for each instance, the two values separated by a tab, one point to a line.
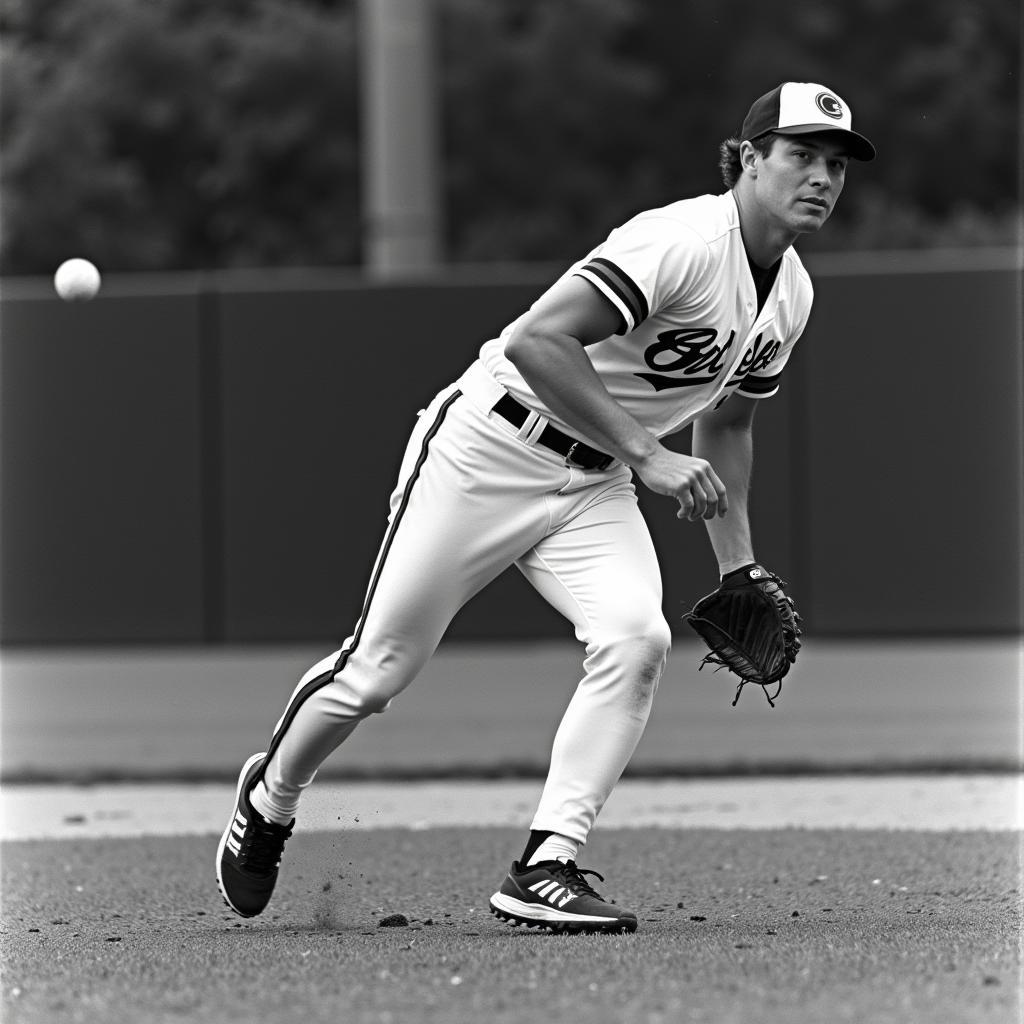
77	280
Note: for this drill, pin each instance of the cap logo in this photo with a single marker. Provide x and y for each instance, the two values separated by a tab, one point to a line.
829	105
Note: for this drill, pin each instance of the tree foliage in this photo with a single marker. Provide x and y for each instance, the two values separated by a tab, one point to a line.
178	134
163	134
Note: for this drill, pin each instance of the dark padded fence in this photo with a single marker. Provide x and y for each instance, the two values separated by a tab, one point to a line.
208	459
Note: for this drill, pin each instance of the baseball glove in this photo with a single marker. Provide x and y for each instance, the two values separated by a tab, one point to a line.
751	626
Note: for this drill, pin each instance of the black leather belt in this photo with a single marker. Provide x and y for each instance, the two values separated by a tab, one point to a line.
575	453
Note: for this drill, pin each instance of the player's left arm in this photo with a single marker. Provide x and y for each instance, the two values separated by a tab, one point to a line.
725	438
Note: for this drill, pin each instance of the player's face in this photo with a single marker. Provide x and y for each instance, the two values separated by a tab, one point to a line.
799	181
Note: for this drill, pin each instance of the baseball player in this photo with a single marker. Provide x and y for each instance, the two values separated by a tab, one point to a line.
684	314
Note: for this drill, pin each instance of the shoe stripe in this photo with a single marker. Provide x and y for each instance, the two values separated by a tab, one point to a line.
553	892
233	845
300	697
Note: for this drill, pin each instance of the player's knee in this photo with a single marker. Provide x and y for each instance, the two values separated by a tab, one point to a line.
370	681
358	696
373	702
641	659
642	651
659	635
354	699
653	647
649	640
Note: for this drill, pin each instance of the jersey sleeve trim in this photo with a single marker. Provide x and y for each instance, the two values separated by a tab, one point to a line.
620	287
759	387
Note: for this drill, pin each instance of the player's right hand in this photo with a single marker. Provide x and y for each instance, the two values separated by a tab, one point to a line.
692	481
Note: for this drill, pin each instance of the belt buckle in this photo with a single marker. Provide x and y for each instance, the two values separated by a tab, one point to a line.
569	461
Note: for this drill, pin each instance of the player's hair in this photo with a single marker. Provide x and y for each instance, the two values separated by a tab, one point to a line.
729	156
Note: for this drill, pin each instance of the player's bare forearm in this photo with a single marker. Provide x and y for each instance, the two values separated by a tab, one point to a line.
557	368
548	347
560	374
729	447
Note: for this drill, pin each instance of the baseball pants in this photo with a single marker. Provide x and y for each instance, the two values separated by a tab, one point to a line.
475	495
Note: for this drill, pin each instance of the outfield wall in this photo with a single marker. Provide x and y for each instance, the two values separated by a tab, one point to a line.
199	459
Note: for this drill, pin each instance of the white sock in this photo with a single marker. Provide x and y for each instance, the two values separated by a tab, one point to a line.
555	847
261	801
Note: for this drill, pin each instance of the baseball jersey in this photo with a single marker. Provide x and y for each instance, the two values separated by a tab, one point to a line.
691	334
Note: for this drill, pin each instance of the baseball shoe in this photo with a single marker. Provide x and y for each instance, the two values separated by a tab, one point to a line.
554	896
250	850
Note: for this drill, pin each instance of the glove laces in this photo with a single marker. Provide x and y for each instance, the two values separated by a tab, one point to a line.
714	659
770	697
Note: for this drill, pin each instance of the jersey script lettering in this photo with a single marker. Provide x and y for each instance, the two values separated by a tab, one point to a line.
694	352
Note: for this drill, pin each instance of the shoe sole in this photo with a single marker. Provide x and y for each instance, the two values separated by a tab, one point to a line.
511	911
246	768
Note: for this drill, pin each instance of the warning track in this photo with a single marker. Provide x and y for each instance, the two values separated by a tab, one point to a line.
922	802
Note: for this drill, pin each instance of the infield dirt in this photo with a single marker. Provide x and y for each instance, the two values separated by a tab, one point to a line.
768	927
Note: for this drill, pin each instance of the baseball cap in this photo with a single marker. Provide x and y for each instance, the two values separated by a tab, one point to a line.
800	108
